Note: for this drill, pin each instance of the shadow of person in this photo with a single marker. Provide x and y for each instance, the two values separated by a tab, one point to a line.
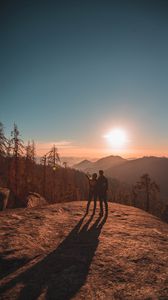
10	265
64	271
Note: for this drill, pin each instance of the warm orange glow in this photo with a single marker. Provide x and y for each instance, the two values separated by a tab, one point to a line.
129	150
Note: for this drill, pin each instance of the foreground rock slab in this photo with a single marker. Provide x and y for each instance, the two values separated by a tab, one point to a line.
56	252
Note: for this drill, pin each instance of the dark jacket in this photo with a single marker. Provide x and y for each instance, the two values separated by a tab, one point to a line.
102	185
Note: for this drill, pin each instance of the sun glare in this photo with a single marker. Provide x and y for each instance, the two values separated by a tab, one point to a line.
117	138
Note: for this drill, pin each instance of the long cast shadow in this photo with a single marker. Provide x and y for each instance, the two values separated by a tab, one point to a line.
10	265
64	271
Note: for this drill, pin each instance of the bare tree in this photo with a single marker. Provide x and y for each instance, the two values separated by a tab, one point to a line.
30	162
9	157
51	162
44	163
53	158
17	151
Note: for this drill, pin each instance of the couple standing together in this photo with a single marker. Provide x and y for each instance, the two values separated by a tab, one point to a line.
98	190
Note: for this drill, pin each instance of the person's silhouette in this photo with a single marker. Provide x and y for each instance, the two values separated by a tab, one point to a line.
102	187
92	192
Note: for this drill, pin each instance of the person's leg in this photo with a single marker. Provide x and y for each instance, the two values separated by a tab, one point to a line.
95	199
89	201
101	204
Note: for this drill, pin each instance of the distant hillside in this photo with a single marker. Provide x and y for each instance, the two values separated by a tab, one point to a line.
103	163
56	253
83	165
131	170
71	160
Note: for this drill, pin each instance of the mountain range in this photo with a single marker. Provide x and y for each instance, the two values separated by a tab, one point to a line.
129	171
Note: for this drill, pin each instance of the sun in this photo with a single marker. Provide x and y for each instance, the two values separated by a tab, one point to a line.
117	138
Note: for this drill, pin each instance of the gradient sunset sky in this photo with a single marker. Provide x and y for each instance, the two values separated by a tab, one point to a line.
71	71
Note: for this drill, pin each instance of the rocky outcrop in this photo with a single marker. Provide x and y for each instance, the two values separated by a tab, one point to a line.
4	197
7	200
57	252
35	200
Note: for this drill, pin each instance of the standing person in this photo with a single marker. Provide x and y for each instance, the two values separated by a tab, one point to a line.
92	192
102	187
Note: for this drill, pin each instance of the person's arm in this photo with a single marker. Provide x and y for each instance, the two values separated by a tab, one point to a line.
88	178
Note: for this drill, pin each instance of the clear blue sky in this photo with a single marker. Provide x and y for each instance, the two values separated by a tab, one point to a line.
72	70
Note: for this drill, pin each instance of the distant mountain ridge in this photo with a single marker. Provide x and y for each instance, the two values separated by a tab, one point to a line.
102	163
84	164
129	171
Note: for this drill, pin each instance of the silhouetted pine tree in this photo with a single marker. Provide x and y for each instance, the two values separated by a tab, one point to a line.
27	166
53	158
44	164
9	159
17	152
148	187
134	194
33	161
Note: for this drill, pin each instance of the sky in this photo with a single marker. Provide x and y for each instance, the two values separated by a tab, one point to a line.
73	71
